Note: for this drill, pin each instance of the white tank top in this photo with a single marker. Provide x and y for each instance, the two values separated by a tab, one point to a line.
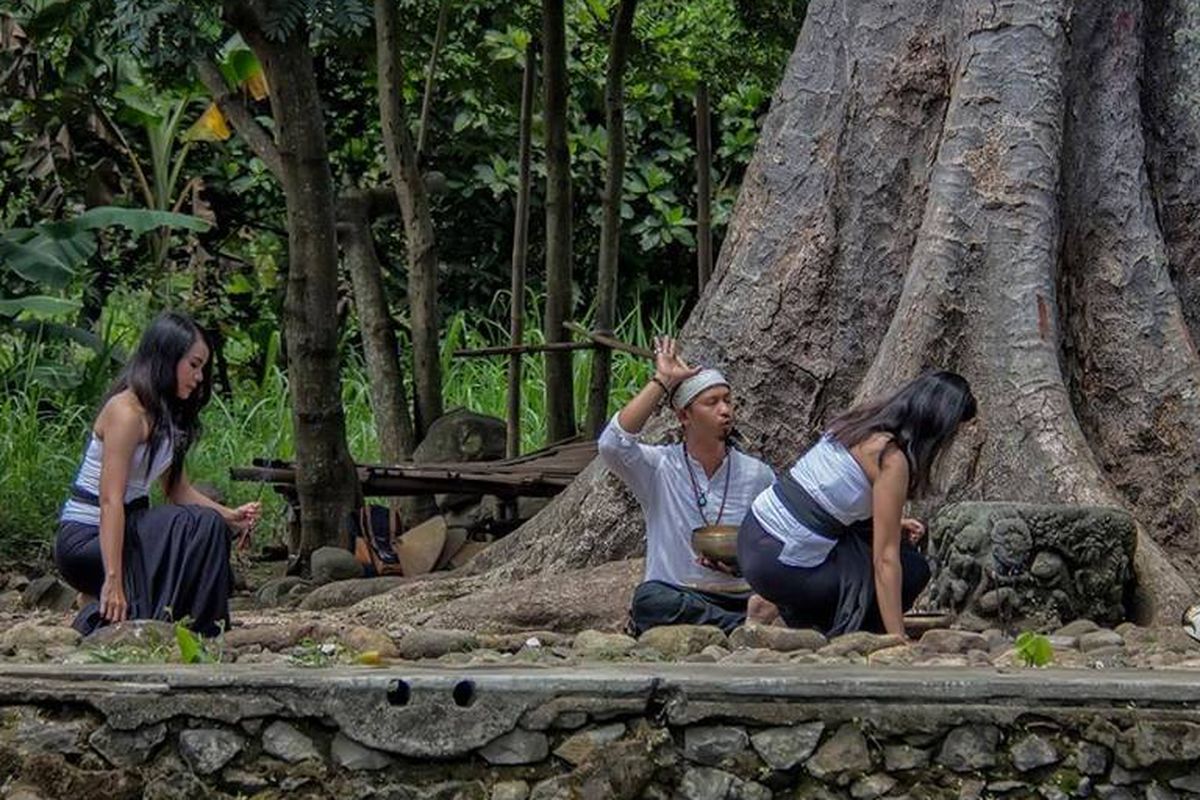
137	485
831	475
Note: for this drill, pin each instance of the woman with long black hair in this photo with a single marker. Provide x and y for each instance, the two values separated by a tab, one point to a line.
827	542
134	562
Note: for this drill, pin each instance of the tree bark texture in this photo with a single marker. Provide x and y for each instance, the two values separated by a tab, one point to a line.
610	223
326	482
419	242
560	400
1007	189
381	352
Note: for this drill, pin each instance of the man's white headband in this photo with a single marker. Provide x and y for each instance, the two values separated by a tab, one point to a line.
687	390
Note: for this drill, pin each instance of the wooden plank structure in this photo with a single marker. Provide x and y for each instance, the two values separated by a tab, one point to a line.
544	473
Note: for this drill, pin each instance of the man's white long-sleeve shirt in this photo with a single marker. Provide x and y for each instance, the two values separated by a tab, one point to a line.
658	477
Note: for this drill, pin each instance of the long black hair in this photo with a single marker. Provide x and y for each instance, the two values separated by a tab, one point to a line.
151	373
922	417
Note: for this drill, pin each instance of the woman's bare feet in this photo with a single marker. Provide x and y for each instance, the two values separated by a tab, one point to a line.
761	611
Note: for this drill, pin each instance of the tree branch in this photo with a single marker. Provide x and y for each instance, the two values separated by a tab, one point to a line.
260	140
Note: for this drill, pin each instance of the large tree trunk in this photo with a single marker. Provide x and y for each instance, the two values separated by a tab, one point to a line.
1008	189
325	481
419	243
560	394
610	223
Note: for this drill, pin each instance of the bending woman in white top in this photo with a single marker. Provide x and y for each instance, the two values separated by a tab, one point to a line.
827	542
134	562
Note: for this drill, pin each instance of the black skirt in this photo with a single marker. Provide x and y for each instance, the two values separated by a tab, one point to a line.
176	565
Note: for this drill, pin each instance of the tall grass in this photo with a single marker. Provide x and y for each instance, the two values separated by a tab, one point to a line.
42	432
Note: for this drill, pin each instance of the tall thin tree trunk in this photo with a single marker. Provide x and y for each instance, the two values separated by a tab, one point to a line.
419	241
704	241
388	401
560	394
520	252
610	225
326	480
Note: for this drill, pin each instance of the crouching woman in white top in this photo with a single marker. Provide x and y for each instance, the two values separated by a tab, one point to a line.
680	487
827	543
133	561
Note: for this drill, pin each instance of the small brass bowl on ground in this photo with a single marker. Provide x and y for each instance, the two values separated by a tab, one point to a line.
717	543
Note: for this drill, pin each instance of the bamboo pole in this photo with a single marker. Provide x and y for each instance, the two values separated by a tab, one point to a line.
519	253
704	242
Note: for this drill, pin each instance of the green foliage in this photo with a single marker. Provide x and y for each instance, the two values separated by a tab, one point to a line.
192	649
1034	649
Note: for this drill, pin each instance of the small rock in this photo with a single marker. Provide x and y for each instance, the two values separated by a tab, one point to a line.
785	747
597	645
757	655
131	633
899	656
901	757
1187	783
1106	791
274	591
844	753
569	720
127	748
1059	642
1090	642
1157	792
713	744
774	637
1077	628
349	754
677	641
860	642
23	791
1091	759
969	747
331	564
514	642
872	786
35	734
578	748
288	744
36	638
705	783
1033	751
516	747
1004	787
16	581
510	790
206	750
10	601
48	592
434	643
941	640
1123	777
971	789
244	781
362	639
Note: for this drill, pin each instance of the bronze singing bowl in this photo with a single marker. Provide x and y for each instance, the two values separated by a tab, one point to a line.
717	543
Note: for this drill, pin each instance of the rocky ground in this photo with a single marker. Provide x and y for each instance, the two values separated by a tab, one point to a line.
35	615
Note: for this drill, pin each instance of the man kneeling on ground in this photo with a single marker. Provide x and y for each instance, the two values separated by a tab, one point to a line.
702	481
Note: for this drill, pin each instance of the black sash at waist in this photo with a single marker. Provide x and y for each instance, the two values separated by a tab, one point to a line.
809	513
81	495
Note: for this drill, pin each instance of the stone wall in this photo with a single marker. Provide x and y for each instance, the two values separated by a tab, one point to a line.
697	732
